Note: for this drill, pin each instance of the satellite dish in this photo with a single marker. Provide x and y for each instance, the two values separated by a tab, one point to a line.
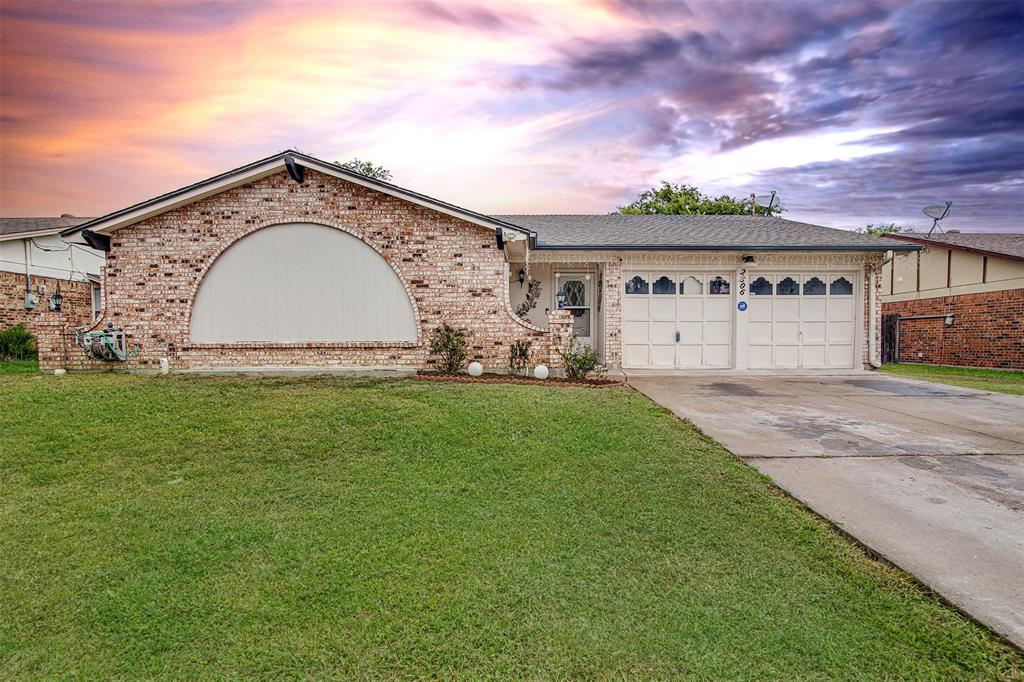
766	200
937	213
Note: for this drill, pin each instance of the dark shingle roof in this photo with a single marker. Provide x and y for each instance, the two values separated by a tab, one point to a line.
30	226
704	232
996	243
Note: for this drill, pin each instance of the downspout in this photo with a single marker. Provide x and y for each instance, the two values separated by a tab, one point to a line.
873	359
28	274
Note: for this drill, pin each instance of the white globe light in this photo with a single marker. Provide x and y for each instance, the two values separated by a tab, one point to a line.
475	369
541	372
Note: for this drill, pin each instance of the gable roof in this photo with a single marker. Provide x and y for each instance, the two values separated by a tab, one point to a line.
693	232
269	166
1001	244
19	228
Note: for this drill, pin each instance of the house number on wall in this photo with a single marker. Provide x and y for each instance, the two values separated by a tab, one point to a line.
741	288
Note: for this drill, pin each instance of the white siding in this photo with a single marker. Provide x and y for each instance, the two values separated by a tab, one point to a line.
50	256
299	283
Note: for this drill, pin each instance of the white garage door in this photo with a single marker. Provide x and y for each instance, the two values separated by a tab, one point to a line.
802	320
677	319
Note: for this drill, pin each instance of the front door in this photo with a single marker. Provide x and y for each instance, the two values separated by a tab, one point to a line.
574	294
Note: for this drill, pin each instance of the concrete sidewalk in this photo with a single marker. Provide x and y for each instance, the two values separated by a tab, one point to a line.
929	476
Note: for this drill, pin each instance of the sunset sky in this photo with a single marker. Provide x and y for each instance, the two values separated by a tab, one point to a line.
856	112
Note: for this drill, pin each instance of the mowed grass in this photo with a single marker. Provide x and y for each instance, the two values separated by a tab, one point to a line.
19	366
182	527
998	380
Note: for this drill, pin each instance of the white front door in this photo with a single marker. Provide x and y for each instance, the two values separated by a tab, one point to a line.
574	293
802	320
677	319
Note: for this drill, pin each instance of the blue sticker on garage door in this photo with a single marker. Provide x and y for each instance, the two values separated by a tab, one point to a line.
742	305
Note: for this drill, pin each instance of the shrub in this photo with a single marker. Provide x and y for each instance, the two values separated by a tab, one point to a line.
519	356
579	360
450	347
17	343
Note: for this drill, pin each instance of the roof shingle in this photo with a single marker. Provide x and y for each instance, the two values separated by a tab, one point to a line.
30	226
704	232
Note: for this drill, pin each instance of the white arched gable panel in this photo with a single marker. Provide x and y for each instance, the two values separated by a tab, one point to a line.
301	283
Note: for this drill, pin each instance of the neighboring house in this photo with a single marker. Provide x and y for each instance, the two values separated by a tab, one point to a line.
960	300
36	262
293	261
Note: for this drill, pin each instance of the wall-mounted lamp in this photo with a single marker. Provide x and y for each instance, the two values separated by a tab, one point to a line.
560	297
56	301
522	277
748	259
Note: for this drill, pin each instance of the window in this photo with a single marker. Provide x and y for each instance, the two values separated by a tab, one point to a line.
761	287
841	287
718	286
691	286
663	285
814	287
575	293
787	286
636	286
97	301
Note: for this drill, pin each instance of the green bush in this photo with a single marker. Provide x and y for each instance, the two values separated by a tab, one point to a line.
17	343
579	360
519	356
450	347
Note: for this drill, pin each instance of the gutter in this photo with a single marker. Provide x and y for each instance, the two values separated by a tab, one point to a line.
721	247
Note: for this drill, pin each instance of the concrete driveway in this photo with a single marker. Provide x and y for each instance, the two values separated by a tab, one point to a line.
929	476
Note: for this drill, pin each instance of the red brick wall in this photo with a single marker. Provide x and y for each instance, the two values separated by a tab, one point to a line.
452	270
76	308
987	331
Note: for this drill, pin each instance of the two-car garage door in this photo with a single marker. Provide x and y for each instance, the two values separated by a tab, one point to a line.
689	320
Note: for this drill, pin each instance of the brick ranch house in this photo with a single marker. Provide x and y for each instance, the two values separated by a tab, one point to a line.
291	261
959	301
36	263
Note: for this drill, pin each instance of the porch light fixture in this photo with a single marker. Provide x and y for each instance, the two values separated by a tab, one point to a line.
56	301
748	259
560	297
522	277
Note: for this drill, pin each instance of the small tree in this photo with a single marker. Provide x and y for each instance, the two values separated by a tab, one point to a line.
450	347
519	356
579	360
370	170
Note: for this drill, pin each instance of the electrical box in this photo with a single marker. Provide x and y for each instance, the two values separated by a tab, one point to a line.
30	300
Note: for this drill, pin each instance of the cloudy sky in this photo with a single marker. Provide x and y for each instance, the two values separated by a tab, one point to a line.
856	112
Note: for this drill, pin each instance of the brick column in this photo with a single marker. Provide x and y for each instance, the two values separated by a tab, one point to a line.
560	329
613	314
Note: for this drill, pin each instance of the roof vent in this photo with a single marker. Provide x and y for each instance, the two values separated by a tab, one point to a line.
66	215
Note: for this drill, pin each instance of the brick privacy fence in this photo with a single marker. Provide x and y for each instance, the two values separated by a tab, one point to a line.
452	270
987	331
76	308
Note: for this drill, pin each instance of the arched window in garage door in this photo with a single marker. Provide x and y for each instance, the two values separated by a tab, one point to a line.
301	283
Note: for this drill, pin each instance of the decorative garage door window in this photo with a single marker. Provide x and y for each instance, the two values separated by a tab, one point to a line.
664	285
301	283
787	287
761	286
691	286
814	287
718	286
841	287
636	286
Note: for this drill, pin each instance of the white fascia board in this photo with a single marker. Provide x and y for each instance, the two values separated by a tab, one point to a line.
29	235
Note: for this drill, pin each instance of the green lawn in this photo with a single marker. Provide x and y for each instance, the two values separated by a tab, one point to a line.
1001	381
18	366
215	527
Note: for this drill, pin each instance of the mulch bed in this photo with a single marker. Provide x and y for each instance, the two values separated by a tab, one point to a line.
509	379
